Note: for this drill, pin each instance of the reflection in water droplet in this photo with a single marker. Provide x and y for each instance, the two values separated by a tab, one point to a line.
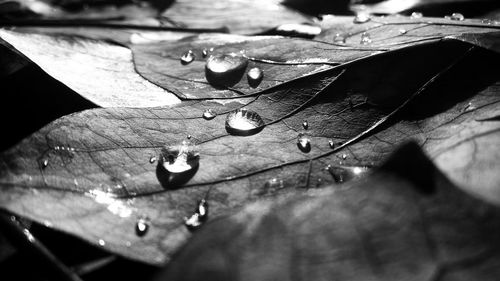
44	163
365	38
101	242
339	38
416	15
152	159
225	70
243	122
177	164
299	30
204	53
362	17
344	173
403	31
304	143
305	125
331	143
142	226
455	16
188	57
209	114
199	216
254	76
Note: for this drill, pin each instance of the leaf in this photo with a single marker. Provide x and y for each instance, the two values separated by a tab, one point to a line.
404	222
90	174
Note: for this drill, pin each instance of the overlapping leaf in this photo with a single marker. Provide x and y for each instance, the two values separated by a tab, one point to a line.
90	173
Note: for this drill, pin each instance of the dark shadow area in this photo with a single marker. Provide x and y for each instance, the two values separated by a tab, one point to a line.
32	99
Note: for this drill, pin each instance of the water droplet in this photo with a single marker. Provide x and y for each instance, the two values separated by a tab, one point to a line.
189	137
344	173
188	57
209	114
362	17
365	38
177	164
199	216
274	184
142	226
152	159
487	21
344	156
102	242
225	70
254	76
416	15
298	30
403	31
331	143
204	53
469	107
456	16
304	143
44	163
243	122
305	125
339	38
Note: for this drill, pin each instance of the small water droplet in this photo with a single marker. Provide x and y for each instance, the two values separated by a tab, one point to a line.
274	184
362	17
44	163
244	122
403	31
416	15
365	38
209	114
188	57
152	159
204	53
339	38
344	156
177	164
487	21
102	242
305	125
142	226
319	182
344	173
254	76
331	143
189	137
56	147
199	216
225	70
75	182
469	107
304	143
456	16
128	244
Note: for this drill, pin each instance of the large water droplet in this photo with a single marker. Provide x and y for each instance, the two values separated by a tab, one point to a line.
188	57
225	70
365	38
362	17
416	15
199	216
177	164
456	16
304	143
243	122
209	114
305	125
344	173
254	76
339	38
142	226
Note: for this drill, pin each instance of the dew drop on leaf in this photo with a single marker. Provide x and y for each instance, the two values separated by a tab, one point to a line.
44	163
304	143
344	156
101	242
339	38
456	16
342	174
225	70
416	15
142	226
177	164
254	76
403	31
199	216
362	17
331	143
152	159
365	38
305	125
188	57
302	30
209	114
204	53
243	122
487	21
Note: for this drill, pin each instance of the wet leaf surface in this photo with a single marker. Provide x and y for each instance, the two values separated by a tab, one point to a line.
392	225
91	173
